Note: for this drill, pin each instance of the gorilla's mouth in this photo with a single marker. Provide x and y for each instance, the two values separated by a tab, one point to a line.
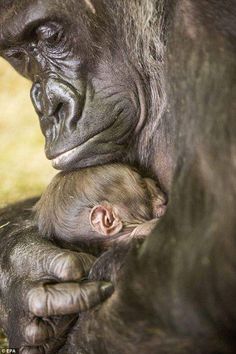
65	157
86	154
84	150
77	158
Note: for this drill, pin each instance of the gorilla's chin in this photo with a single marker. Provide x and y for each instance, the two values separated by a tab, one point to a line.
87	155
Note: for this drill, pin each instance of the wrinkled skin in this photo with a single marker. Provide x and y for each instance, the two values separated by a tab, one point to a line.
116	81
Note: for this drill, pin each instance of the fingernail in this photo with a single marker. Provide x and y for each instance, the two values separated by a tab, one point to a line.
106	290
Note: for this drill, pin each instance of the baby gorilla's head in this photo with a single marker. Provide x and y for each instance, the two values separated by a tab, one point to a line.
96	202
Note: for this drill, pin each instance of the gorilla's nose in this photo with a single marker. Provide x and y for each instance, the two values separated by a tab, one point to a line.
57	102
36	97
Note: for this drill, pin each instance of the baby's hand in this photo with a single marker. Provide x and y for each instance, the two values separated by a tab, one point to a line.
144	229
159	199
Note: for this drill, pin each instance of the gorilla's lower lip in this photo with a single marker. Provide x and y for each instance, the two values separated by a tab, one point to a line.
64	157
69	160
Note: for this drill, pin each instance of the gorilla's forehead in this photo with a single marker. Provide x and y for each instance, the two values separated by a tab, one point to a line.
21	11
17	16
15	4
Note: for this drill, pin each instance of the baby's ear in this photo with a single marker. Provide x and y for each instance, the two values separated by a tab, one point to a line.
104	220
158	198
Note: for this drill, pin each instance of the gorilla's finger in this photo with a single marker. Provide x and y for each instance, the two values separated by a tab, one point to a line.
50	347
32	350
69	266
67	298
38	332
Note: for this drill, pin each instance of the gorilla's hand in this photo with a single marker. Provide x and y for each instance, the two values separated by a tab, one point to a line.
40	291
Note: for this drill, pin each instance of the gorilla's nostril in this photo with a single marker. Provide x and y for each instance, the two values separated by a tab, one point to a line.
59	113
73	122
36	97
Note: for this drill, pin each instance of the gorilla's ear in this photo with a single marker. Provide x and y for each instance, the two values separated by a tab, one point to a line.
105	220
158	198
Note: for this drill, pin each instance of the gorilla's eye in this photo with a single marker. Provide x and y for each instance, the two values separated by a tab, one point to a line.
16	55
50	34
54	38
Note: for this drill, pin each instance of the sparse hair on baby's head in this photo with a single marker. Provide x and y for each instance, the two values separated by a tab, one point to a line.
69	193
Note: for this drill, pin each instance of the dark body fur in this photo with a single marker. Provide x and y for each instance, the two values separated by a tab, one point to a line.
190	258
176	292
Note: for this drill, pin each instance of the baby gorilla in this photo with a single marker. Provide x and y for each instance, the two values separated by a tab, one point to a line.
93	208
99	210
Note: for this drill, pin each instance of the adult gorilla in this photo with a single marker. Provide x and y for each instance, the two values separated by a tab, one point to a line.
150	83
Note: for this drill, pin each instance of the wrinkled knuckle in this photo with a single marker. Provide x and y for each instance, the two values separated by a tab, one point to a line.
38	308
73	260
36	301
37	332
71	267
32	334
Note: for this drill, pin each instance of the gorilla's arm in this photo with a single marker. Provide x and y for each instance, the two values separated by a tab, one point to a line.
39	280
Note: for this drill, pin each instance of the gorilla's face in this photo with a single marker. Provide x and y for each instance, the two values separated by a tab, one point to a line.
87	94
